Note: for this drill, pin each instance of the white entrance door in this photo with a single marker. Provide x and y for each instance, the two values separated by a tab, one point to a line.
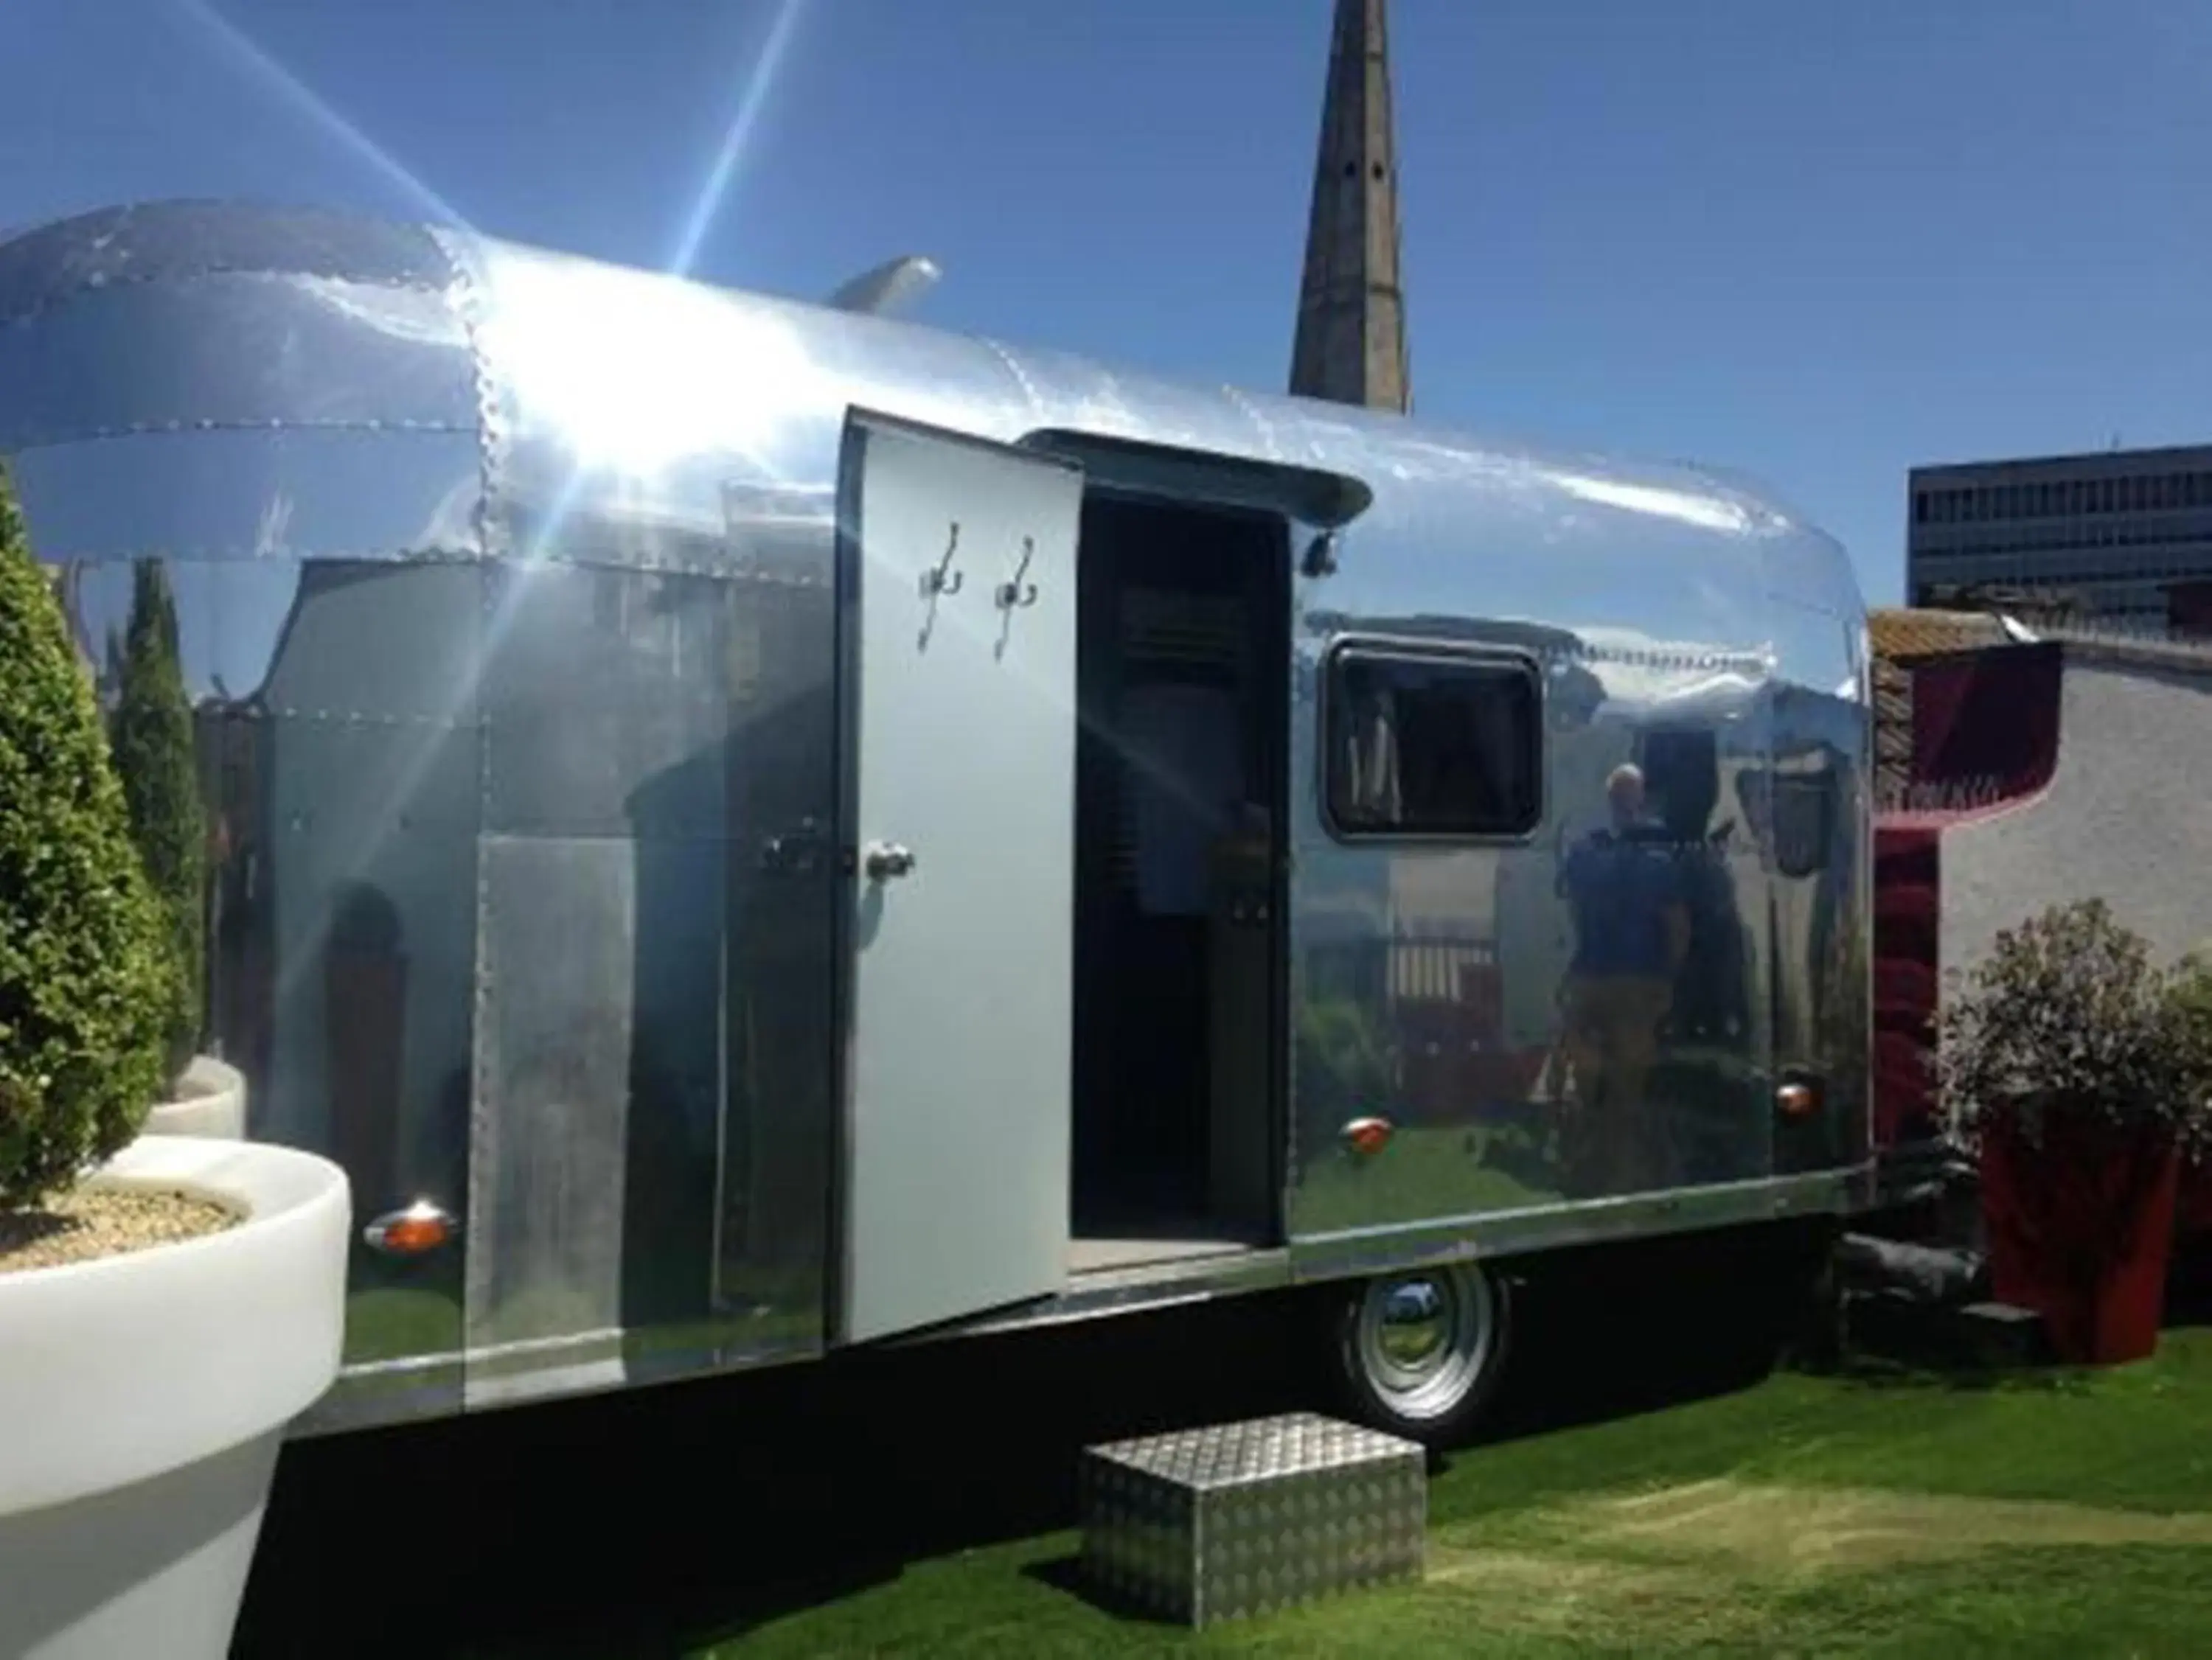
958	574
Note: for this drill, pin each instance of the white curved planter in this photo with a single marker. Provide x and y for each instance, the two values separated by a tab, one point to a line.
210	1101
143	1399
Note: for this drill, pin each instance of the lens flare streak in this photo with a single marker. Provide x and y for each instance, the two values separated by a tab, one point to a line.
272	73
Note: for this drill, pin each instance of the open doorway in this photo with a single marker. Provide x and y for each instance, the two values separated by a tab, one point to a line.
1182	685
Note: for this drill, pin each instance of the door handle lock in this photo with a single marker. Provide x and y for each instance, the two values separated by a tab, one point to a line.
886	859
797	852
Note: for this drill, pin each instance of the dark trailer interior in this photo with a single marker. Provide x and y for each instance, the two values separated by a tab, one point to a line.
1183	686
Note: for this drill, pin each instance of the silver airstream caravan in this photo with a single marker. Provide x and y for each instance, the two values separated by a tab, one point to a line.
752	828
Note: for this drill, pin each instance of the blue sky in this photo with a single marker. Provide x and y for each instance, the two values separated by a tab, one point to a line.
1815	243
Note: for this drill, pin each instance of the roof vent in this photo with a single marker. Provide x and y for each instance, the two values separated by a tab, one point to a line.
889	288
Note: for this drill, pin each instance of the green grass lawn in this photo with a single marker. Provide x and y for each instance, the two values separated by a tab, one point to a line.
1424	1173
2050	1514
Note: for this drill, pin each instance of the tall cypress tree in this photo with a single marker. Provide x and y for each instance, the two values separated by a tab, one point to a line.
85	970
153	756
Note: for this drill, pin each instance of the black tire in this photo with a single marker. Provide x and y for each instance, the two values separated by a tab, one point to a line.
1448	1329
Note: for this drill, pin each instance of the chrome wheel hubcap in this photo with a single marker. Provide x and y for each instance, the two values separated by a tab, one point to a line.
1424	1338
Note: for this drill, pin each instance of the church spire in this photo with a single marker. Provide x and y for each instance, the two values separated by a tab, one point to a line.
1351	342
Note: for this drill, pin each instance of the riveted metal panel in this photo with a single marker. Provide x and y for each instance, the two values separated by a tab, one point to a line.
240	349
152	242
277	492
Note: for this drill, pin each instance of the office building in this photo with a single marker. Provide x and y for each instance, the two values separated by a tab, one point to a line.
2117	535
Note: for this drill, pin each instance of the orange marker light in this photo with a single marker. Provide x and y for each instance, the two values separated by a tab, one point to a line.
1797	1101
421	1226
412	1234
1368	1135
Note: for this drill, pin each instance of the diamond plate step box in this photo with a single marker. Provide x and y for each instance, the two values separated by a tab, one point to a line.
1205	1524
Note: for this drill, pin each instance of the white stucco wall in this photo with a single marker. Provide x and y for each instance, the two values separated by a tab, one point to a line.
2128	816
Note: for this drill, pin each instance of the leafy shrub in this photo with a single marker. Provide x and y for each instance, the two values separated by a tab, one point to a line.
86	975
152	738
2069	1016
2189	995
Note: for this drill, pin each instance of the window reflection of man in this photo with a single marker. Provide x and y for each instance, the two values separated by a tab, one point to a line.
1631	932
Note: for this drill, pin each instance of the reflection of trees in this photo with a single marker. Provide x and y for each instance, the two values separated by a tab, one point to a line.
234	750
151	734
1343	1064
236	733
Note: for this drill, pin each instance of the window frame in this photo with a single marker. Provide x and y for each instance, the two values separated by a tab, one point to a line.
1384	648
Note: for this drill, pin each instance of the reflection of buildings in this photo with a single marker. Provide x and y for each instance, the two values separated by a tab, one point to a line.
1751	779
343	898
474	834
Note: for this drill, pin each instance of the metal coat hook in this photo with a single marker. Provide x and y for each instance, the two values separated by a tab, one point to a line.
943	579
1015	593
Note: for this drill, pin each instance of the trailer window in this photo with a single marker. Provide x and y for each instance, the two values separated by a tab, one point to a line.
1432	745
1795	814
1804	821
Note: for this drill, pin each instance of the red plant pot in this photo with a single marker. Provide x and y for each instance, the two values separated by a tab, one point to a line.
2080	1230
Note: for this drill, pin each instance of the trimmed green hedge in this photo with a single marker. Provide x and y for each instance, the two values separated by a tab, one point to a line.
87	973
152	736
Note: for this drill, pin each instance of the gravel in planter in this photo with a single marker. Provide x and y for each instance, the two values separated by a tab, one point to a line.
89	1223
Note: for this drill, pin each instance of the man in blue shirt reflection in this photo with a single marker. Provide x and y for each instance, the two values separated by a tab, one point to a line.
1624	885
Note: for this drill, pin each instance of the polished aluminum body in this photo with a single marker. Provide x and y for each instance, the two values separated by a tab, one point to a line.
1203	1525
507	592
